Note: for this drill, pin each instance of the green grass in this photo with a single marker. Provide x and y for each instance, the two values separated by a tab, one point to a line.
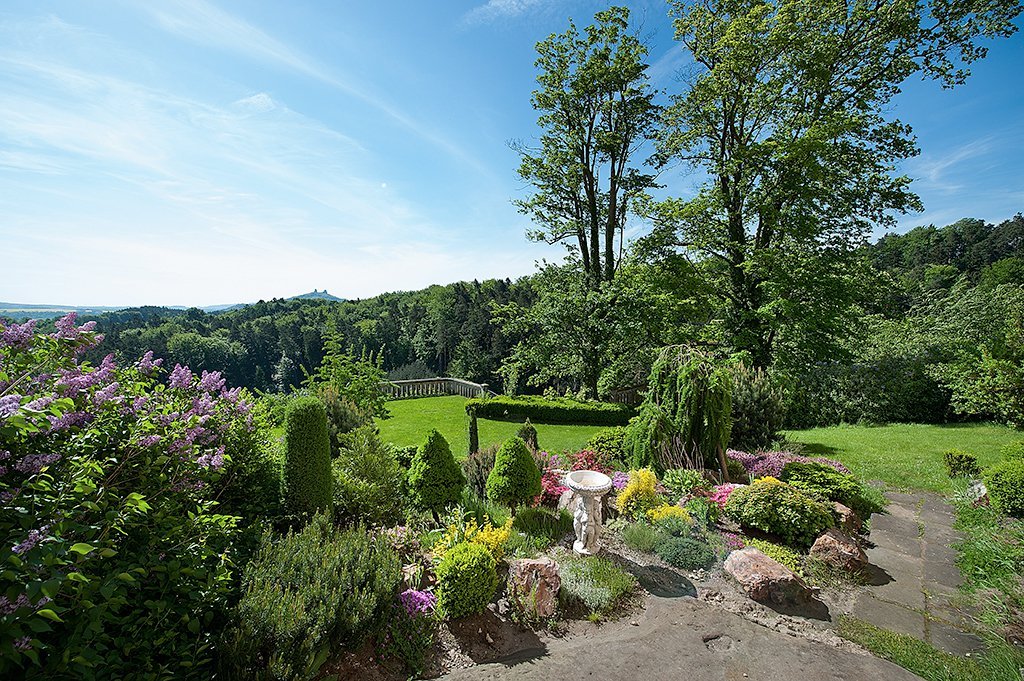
905	455
411	420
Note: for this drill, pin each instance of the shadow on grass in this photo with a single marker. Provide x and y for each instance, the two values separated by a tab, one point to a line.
656	580
818	449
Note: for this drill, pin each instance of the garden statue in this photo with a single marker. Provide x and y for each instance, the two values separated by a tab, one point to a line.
589	487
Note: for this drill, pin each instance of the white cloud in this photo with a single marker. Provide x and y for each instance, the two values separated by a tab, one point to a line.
260	102
495	10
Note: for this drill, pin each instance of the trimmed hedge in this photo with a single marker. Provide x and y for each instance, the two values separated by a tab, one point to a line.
1005	483
559	410
307	481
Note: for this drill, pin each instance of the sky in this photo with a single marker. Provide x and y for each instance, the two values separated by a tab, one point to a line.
202	152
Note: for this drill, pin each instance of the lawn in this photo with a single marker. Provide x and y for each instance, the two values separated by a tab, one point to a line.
905	455
412	419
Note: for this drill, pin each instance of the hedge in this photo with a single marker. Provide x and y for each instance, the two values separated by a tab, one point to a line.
545	410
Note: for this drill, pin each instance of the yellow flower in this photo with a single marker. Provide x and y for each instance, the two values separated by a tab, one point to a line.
667	511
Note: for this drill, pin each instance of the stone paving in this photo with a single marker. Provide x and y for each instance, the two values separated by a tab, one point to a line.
913	589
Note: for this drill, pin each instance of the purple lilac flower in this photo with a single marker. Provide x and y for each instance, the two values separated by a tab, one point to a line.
212	382
149	441
33	463
31	541
106	394
40	403
9	404
147	365
203	405
181	377
23	643
9	494
214	461
417	602
4	455
70	420
18	335
231	396
66	326
619	480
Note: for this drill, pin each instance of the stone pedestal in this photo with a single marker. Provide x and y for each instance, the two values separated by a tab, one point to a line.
588	487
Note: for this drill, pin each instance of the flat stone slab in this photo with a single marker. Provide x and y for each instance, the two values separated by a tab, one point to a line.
953	640
883	539
905	528
889	616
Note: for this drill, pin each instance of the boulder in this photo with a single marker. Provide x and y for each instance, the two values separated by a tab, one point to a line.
766	580
839	550
533	585
849	522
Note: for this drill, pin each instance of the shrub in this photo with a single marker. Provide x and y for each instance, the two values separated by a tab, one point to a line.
306	594
307	483
703	510
552	487
404	455
737	471
640	494
595	583
1013	450
758	408
368	480
828	484
515	479
550	410
528	434
686	553
483	510
462	530
961	464
589	460
640	537
668	511
1005	483
411	630
721	493
466	580
674	525
343	416
608	443
771	505
779	553
435	480
544	526
682	482
761	464
477	466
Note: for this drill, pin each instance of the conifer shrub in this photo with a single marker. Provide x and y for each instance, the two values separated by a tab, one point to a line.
515	478
640	494
466	580
758	408
307	481
477	466
343	416
686	553
608	443
435	480
1005	484
528	434
772	506
368	481
961	464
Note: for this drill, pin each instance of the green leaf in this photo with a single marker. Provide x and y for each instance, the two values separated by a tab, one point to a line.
82	548
49	614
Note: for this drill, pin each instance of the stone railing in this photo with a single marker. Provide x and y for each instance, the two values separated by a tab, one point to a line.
429	387
631	396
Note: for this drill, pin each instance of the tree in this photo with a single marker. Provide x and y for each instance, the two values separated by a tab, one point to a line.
435	480
307	482
515	478
785	113
597	109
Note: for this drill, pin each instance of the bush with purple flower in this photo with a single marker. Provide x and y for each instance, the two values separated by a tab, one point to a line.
770	464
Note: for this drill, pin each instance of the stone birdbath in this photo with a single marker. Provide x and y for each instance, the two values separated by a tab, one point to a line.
589	487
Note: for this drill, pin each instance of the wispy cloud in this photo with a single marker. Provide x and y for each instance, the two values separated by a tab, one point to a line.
497	10
935	170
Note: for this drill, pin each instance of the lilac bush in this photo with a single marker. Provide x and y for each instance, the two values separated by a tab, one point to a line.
116	557
765	464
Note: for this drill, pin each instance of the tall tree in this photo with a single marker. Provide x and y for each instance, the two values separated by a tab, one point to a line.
786	113
597	109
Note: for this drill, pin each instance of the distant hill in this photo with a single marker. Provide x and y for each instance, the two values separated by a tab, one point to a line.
318	295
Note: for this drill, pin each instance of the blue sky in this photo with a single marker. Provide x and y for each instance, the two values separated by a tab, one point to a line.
196	152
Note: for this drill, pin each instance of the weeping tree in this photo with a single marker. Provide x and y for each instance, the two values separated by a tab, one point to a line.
686	416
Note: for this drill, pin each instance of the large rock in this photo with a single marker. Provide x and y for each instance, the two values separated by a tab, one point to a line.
766	580
849	522
533	584
839	550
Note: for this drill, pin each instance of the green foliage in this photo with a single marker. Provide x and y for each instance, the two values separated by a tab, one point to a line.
368	481
1005	484
608	443
640	494
528	434
779	553
435	480
758	408
773	506
686	417
307	594
474	431
1013	450
961	464
737	471
543	526
674	525
343	416
681	482
550	410
828	484
466	580
703	510
483	511
355	379
593	583
640	537
307	483
477	467
515	478
686	553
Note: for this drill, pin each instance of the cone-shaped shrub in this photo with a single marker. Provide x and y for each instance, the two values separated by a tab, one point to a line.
515	478
307	483
435	480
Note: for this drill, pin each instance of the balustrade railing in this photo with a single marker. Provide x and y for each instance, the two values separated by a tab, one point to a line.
430	387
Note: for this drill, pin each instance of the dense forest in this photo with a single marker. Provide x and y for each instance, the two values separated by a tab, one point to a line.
929	310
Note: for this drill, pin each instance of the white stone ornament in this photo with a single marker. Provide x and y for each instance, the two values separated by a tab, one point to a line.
589	487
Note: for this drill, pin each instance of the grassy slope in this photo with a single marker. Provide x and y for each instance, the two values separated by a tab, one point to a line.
412	419
905	455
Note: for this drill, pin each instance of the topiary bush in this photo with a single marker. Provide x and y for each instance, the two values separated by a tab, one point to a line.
550	410
1013	450
307	483
466	580
608	443
515	478
1005	484
528	434
682	482
827	484
368	481
639	495
961	464
758	408
307	594
770	505
435	480
686	553
477	466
